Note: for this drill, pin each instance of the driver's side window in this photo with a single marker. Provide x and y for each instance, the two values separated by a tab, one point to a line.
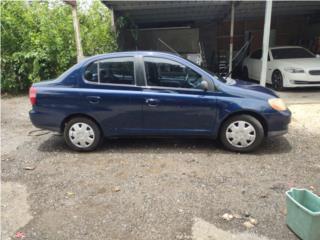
167	73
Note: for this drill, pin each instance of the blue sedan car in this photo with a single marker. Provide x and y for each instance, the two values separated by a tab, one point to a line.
154	94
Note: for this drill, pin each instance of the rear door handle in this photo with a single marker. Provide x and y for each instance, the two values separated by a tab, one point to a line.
152	102
93	99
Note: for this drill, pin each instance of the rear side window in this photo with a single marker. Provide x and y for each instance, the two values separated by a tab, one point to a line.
287	53
111	71
257	54
167	73
91	73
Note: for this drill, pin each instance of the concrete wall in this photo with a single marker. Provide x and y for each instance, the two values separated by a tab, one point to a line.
208	38
313	35
182	40
288	30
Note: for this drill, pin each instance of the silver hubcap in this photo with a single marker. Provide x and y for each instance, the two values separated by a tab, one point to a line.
240	134
81	135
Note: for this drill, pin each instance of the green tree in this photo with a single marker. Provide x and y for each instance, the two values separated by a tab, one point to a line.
37	40
97	34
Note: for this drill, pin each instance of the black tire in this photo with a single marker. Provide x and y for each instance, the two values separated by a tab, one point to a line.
277	81
93	128
250	121
245	74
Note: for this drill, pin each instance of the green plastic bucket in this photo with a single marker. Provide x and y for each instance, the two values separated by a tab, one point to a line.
303	213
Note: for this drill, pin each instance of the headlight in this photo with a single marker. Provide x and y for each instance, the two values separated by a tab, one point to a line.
294	70
277	104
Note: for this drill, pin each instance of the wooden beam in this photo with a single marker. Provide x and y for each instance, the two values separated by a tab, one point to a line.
76	27
231	36
72	3
265	44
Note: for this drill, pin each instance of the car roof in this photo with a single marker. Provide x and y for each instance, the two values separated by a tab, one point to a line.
280	47
168	55
134	53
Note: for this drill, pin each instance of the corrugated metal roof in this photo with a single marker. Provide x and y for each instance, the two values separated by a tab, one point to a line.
145	13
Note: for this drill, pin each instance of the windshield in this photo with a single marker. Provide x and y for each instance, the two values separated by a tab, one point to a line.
287	53
208	71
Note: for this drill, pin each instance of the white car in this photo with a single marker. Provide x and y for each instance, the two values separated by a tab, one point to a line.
288	66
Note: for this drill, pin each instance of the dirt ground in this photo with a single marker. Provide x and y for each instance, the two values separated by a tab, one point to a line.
151	188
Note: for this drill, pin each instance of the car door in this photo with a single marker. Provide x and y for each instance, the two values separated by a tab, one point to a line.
255	67
173	101
270	67
112	95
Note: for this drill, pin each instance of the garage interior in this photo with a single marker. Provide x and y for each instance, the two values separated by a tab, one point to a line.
202	30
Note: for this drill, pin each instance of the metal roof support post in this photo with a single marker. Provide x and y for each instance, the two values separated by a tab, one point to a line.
231	37
265	44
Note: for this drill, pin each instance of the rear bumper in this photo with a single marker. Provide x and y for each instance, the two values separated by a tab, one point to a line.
44	121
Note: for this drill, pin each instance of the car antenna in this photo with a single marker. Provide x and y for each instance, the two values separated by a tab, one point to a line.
168	46
244	47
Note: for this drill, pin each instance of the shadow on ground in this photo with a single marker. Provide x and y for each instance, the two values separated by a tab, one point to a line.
289	90
166	145
301	90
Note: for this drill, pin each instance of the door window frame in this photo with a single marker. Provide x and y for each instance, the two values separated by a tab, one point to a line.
135	76
142	63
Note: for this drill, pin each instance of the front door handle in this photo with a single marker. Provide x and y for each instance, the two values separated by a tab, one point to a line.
152	102
93	99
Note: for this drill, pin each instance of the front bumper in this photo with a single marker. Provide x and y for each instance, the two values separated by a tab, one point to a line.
301	83
294	80
278	123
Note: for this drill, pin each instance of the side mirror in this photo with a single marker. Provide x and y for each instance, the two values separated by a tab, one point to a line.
88	75
204	85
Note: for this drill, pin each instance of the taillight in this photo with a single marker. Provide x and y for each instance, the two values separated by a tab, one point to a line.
33	95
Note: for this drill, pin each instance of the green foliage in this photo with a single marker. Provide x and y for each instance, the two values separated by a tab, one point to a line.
125	22
96	32
37	40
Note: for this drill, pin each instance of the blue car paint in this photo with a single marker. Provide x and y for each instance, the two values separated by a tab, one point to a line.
122	110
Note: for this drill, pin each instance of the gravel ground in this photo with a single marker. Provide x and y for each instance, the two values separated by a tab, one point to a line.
150	188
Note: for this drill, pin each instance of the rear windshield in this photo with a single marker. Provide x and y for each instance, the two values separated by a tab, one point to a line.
287	53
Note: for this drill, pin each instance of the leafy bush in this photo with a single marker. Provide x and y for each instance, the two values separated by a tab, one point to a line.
37	40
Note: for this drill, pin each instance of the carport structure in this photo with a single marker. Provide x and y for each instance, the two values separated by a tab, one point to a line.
216	29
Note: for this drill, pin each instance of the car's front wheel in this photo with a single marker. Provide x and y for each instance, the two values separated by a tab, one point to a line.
82	134
242	133
277	80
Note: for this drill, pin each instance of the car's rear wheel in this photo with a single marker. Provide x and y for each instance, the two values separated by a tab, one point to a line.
82	134
242	133
245	73
277	81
